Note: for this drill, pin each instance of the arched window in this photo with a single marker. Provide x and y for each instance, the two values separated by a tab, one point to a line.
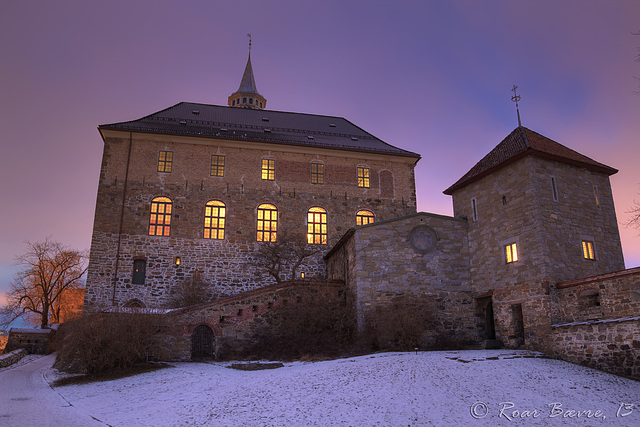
160	218
317	226
134	303
364	217
214	219
267	223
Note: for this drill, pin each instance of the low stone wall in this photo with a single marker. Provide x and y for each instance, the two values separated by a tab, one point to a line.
236	321
11	358
609	345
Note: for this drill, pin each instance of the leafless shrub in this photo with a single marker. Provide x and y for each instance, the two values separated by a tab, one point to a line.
104	342
315	325
193	290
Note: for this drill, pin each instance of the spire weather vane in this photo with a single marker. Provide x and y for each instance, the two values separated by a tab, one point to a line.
515	98
249	35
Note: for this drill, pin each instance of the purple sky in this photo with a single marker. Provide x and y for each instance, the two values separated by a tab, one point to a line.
432	77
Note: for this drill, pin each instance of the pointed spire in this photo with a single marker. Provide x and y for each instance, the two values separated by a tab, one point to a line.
247	95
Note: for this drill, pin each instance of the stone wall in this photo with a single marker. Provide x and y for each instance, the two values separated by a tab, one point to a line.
607	296
419	257
10	358
35	341
237	321
612	346
122	210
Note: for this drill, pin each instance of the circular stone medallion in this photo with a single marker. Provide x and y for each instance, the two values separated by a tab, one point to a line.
423	238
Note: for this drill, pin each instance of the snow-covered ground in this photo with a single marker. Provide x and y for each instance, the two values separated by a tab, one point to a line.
462	388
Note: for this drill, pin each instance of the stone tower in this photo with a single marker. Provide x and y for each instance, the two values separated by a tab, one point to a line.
539	213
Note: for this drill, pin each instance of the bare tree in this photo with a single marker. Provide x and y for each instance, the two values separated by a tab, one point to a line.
634	220
284	255
637	92
50	271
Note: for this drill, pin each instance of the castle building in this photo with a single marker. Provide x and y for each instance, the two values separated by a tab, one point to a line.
531	257
197	189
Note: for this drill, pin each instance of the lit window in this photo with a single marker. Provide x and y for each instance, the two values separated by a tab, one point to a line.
511	253
364	217
267	223
587	250
214	220
139	267
317	173
363	177
165	161
595	194
160	218
217	165
268	169
317	226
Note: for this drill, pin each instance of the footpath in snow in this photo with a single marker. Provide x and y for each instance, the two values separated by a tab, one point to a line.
474	388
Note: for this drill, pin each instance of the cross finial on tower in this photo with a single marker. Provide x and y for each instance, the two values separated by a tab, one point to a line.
515	98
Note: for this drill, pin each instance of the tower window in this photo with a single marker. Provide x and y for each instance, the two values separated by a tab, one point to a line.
363	177
217	165
214	220
160	217
165	161
587	250
595	195
244	100
267	226
554	189
317	226
251	101
317	173
474	210
511	252
268	169
364	217
139	271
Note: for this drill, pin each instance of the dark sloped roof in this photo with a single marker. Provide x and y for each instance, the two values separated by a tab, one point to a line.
276	127
248	82
524	142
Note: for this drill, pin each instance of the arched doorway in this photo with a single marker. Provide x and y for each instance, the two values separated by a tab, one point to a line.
202	343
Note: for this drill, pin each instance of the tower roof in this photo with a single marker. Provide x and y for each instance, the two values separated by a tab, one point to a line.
248	83
525	142
247	95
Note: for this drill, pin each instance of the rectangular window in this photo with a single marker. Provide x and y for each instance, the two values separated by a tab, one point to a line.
511	252
217	165
554	189
363	177
317	173
474	210
268	169
587	250
165	161
139	267
595	195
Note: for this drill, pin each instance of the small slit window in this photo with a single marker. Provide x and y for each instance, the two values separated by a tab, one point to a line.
474	210
554	189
